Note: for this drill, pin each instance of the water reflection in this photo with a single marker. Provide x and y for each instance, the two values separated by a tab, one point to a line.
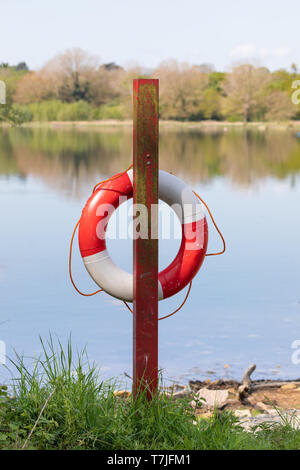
72	160
244	306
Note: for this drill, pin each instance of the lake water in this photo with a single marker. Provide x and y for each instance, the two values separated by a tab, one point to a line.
244	306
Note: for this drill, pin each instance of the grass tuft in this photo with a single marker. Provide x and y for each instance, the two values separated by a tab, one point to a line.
60	402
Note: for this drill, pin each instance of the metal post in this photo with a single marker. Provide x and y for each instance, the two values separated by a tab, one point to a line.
145	247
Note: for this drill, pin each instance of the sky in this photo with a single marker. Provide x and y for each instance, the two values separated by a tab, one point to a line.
219	32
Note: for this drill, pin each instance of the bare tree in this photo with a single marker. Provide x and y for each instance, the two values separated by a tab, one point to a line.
244	88
279	106
71	74
33	87
181	90
71	62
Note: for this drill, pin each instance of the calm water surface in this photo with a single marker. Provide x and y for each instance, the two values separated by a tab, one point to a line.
244	306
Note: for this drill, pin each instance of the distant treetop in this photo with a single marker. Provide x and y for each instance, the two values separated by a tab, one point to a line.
21	66
111	66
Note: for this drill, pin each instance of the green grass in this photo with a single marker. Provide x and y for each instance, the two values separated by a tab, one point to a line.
82	412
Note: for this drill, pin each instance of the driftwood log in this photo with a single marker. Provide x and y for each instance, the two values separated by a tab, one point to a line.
245	388
264	385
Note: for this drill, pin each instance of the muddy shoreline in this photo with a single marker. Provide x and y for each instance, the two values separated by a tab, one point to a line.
252	401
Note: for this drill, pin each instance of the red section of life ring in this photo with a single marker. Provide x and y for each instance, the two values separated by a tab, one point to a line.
94	221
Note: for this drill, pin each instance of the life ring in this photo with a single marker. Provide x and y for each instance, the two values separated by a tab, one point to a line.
94	221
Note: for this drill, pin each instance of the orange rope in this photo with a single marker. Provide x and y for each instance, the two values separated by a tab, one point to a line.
112	178
216	227
180	307
125	303
175	311
70	266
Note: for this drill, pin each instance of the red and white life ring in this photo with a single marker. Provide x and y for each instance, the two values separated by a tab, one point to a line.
188	260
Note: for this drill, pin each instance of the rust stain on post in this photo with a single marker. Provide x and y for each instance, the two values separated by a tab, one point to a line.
145	250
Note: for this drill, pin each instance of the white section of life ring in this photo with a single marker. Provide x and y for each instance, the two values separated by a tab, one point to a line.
112	279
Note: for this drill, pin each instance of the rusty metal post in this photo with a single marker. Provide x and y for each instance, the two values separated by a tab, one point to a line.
145	246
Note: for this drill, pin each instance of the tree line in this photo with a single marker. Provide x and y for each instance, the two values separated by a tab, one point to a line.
75	85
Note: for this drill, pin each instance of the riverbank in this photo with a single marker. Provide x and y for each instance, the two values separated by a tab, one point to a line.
62	403
77	411
206	126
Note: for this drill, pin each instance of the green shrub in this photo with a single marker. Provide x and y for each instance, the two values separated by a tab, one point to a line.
15	115
55	110
45	110
78	111
107	111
